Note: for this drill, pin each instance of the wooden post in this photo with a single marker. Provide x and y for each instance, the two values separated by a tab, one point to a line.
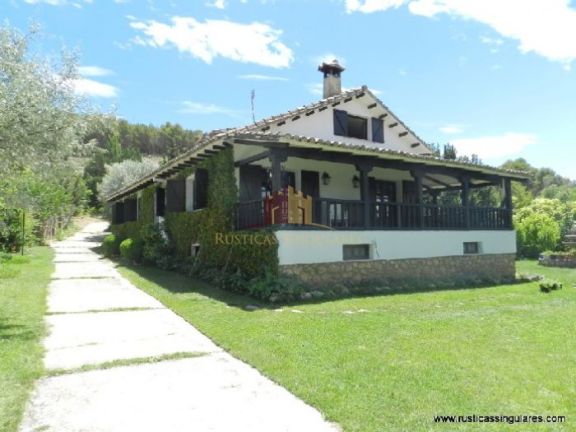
508	202
277	156
23	230
364	168
465	196
417	174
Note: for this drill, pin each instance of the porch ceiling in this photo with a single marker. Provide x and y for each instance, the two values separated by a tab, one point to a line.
438	170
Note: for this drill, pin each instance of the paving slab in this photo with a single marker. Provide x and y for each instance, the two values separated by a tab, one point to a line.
62	257
84	295
72	270
203	394
82	339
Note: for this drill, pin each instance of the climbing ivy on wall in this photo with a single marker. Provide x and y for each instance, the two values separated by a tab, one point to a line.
209	226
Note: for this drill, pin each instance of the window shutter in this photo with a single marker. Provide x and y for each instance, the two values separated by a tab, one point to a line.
340	123
120	212
200	188
176	196
130	210
377	130
160	194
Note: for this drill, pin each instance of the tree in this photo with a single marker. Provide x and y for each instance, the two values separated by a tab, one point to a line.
39	121
122	174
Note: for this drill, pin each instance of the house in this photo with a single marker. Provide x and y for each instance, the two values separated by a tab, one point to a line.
349	191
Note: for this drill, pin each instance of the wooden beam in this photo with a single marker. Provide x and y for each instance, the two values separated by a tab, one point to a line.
211	152
252	158
383	116
414	145
280	123
393	125
219	147
441	183
374	105
256	142
402	134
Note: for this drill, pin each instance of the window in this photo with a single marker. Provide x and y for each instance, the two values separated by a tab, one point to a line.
356	252
357	127
471	248
349	125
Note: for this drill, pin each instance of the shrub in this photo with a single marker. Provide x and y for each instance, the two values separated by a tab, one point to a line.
111	245
548	285
131	250
536	233
155	247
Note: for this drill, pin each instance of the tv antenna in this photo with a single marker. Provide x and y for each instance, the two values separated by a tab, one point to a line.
252	97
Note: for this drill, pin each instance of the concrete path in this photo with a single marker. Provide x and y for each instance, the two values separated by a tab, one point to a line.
167	375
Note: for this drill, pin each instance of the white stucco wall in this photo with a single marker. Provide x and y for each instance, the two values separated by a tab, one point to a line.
307	247
340	186
321	125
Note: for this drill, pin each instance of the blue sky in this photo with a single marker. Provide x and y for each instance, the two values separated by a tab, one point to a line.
493	77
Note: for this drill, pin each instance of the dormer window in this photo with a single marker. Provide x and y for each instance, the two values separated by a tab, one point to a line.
352	126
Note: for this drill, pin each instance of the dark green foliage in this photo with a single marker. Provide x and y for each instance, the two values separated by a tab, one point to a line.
548	285
10	230
156	249
127	230
275	288
132	250
537	233
111	245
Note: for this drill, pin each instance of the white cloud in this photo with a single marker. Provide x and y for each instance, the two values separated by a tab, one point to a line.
256	77
329	58
495	146
88	87
58	2
218	4
451	129
247	43
544	27
93	71
190	107
317	89
369	6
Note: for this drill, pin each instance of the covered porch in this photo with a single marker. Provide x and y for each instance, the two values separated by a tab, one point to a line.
358	188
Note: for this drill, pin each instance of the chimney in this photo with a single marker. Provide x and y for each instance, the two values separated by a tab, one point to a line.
332	81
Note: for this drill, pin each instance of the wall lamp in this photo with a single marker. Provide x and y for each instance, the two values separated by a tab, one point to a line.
326	179
356	181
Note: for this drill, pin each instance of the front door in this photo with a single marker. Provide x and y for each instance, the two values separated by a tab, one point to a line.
310	186
253	181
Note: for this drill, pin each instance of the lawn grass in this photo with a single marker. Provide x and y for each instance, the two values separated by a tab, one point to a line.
23	286
393	362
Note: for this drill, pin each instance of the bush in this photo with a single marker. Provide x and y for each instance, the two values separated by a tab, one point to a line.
536	233
131	250
548	285
155	247
111	246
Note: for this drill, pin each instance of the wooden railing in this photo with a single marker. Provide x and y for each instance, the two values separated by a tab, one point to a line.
350	214
250	214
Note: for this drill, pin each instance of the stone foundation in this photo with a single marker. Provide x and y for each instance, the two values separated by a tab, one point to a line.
557	261
407	273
